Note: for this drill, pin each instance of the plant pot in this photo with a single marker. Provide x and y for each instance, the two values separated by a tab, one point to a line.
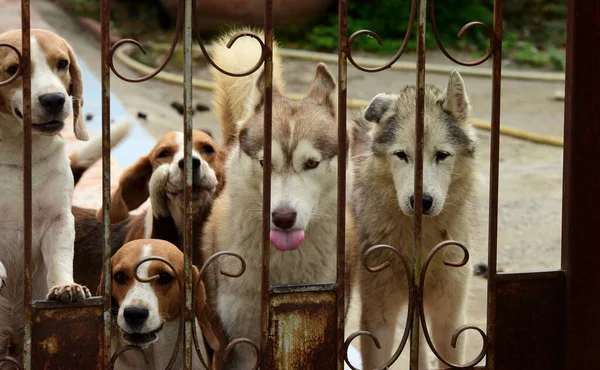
214	14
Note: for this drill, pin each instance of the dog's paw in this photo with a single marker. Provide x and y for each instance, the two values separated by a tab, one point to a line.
3	276
69	293
158	191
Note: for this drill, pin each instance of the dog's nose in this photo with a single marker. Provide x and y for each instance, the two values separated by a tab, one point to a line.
135	316
52	103
427	202
284	218
195	163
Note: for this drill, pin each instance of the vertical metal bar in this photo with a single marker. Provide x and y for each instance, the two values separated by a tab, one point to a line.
493	198
27	201
105	77
187	195
418	180
266	226
581	199
341	200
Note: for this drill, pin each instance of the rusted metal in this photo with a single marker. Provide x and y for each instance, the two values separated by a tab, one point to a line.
266	205
25	66
529	321
496	42
341	178
460	35
112	50
18	73
67	336
187	311
418	180
302	328
411	302
409	27
106	267
460	330
581	199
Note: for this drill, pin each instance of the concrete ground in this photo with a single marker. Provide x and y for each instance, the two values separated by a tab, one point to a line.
529	219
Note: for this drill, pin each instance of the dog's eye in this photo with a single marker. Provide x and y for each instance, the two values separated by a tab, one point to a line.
12	69
120	277
311	164
440	156
400	154
208	149
62	64
164	278
165	153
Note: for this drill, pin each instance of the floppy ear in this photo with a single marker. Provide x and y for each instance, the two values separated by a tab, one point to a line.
380	108
132	191
455	100
323	87
76	92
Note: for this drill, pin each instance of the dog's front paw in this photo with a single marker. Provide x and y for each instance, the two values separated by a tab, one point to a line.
69	293
3	276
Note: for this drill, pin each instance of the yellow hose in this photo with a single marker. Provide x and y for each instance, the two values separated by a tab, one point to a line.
123	57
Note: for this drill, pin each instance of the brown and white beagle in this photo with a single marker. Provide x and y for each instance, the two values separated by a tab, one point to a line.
56	97
158	176
148	314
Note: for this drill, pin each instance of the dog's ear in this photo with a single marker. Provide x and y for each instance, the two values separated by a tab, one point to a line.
380	108
76	92
455	100
132	191
323	87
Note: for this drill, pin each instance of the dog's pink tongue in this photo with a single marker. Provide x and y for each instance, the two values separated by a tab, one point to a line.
287	241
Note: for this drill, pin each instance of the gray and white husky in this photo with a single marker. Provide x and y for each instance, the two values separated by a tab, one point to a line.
383	160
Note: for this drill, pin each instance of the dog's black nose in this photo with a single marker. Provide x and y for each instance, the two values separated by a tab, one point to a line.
284	218
195	163
52	103
427	202
135	316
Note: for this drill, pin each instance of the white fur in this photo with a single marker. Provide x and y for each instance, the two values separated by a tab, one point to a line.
53	230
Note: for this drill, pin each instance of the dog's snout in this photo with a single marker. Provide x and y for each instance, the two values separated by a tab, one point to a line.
195	163
427	202
284	218
135	316
52	103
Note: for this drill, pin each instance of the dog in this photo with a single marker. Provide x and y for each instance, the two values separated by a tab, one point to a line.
303	195
56	93
158	176
382	155
148	314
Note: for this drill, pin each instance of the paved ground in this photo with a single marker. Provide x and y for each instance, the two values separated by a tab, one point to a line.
530	174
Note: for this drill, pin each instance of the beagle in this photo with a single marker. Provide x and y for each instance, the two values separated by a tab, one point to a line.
158	176
56	94
148	314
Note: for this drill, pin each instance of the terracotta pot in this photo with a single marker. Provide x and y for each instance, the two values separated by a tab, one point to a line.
214	14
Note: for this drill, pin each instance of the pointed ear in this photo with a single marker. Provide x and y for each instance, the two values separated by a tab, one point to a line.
76	92
455	100
132	191
380	108
323	86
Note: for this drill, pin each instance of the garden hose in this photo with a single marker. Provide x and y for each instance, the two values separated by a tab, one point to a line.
122	55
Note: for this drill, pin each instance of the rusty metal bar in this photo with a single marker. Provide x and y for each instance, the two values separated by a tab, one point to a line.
494	172
105	78
25	66
418	180
187	310
581	199
266	219
341	186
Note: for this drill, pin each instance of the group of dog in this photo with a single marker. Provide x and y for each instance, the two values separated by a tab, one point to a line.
227	206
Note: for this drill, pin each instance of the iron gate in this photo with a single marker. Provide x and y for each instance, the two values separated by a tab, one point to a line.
561	341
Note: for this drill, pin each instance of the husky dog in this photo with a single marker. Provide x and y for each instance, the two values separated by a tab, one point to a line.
383	155
303	191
